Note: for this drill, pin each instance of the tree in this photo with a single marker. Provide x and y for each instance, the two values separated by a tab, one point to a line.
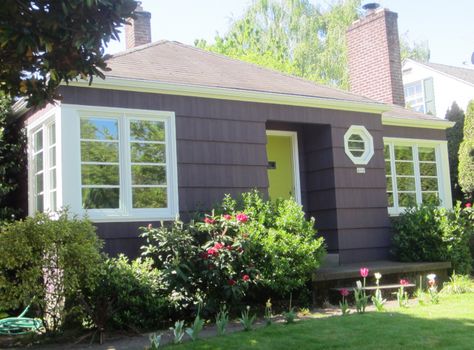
454	136
12	160
416	50
299	38
292	36
46	42
466	154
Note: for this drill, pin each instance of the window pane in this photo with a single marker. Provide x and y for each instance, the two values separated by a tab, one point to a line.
356	153
53	201
403	153
429	184
99	151
52	134
404	168
100	198
39	203
356	137
148	153
428	169
386	152
52	179
39	183
100	174
430	198
99	129
149	197
357	145
39	162
406	199
52	157
427	153
406	183
148	175
388	167
147	130
38	141
390	199
389	184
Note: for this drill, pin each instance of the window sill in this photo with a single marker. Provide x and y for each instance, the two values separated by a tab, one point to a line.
145	216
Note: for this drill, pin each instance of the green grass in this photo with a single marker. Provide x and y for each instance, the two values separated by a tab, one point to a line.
449	325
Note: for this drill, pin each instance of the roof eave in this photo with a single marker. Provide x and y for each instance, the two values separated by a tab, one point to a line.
417	123
148	86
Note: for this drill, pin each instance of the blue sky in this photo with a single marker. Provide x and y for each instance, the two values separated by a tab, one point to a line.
446	25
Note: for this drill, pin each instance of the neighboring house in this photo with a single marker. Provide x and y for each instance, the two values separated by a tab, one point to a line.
173	128
432	88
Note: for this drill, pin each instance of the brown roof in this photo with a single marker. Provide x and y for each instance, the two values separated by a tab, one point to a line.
466	74
173	62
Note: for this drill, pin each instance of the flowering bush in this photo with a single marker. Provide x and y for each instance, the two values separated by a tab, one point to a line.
282	242
429	233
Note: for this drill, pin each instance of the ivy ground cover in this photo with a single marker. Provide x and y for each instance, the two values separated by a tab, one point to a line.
448	325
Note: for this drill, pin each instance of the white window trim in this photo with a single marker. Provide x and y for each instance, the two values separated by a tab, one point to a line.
71	115
442	168
295	158
42	122
360	130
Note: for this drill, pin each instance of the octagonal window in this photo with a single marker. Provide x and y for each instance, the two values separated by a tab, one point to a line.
358	144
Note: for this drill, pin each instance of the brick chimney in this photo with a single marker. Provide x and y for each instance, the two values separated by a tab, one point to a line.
373	49
138	32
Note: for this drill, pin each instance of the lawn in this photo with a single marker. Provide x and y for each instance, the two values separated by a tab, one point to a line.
449	325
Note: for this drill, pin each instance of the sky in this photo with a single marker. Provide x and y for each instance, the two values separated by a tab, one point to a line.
446	25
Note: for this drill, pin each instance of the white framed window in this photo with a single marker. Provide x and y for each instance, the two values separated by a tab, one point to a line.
42	165
415	96
358	144
126	163
417	172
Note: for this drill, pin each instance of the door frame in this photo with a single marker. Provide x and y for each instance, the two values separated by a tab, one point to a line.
295	157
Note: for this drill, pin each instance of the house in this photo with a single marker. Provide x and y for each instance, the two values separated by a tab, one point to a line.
432	88
173	128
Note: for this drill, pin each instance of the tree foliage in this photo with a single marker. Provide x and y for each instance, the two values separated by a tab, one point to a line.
294	37
299	38
46	42
12	160
416	50
454	136
466	154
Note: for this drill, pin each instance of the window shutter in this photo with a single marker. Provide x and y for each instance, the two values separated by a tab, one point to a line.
429	96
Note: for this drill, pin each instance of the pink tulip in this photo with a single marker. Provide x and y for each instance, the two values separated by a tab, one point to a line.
364	272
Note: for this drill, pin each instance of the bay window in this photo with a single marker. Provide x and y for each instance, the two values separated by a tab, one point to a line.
417	172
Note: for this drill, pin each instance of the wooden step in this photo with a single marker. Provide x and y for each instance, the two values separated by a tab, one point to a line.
383	286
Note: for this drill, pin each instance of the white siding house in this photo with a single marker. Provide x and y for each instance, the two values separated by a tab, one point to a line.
432	88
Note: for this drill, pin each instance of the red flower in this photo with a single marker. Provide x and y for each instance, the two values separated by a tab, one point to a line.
468	205
204	255
242	218
150	226
404	282
231	282
245	278
228	247
209	221
212	251
218	246
431	283
344	292
364	272
227	217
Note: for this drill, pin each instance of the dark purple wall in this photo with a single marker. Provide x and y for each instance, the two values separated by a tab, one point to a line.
221	148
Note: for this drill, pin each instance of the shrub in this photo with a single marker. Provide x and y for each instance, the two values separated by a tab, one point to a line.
47	262
126	295
455	136
429	233
458	284
283	242
466	154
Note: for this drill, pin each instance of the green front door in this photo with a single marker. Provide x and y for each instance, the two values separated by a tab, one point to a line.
280	166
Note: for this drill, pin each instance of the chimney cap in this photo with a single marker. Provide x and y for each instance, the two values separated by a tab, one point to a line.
371	6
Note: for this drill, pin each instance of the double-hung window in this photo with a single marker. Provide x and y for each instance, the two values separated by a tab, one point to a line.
417	173
127	165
